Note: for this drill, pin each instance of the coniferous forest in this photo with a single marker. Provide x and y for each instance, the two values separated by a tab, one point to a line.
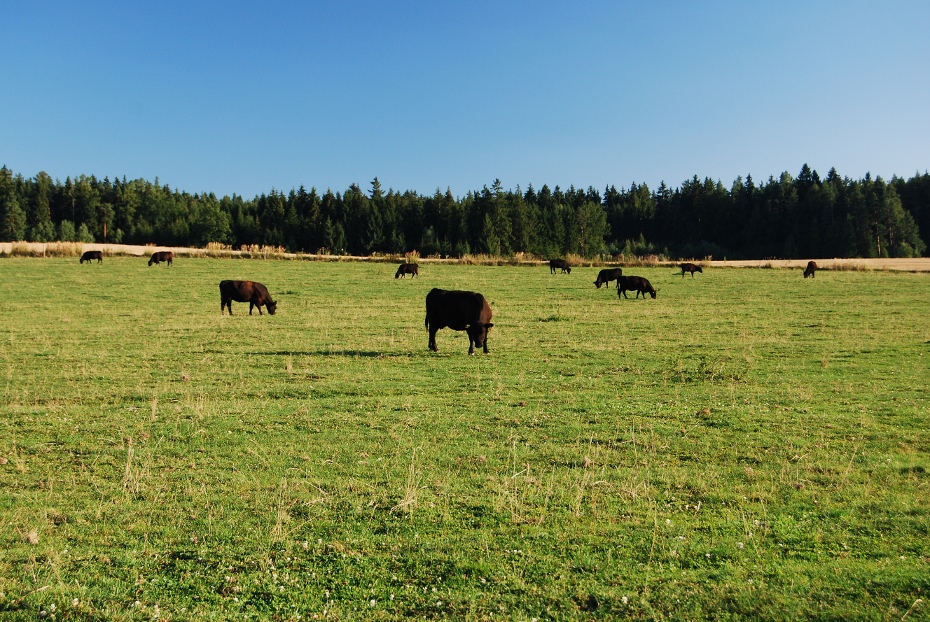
783	217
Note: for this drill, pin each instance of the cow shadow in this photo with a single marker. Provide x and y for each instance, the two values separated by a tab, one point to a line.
336	352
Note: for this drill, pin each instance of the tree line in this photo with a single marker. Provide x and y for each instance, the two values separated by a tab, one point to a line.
784	217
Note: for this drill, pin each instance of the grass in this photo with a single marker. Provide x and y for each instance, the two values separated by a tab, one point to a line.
750	444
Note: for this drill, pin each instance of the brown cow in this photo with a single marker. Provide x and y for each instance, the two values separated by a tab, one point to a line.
555	264
607	275
161	256
89	256
637	283
690	267
810	269
251	292
407	268
458	310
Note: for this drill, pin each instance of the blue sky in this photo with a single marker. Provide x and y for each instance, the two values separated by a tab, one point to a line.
243	97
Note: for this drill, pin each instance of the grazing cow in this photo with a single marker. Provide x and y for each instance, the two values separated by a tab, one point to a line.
637	283
458	310
89	256
251	292
161	256
690	267
407	268
559	264
606	276
810	269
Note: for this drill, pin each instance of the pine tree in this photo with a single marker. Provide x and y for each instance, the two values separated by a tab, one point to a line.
13	220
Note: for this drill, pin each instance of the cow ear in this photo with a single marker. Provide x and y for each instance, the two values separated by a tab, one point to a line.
488	325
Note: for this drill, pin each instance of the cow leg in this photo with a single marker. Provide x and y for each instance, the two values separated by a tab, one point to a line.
432	339
485	344
471	345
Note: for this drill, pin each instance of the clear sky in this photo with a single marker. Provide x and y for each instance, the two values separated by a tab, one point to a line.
244	97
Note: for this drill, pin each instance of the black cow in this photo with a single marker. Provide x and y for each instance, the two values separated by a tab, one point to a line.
89	256
251	292
407	268
634	283
810	269
690	267
161	256
559	264
606	276
458	310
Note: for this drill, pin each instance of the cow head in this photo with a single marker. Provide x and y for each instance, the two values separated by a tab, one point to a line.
478	332
652	292
272	306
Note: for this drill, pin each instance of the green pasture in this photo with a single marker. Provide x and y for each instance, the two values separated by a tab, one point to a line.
750	444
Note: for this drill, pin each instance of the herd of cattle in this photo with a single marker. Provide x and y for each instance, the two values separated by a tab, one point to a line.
458	310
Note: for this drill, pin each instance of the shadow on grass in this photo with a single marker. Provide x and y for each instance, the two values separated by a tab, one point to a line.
336	352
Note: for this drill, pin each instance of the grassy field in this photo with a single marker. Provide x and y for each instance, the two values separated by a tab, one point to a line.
750	444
